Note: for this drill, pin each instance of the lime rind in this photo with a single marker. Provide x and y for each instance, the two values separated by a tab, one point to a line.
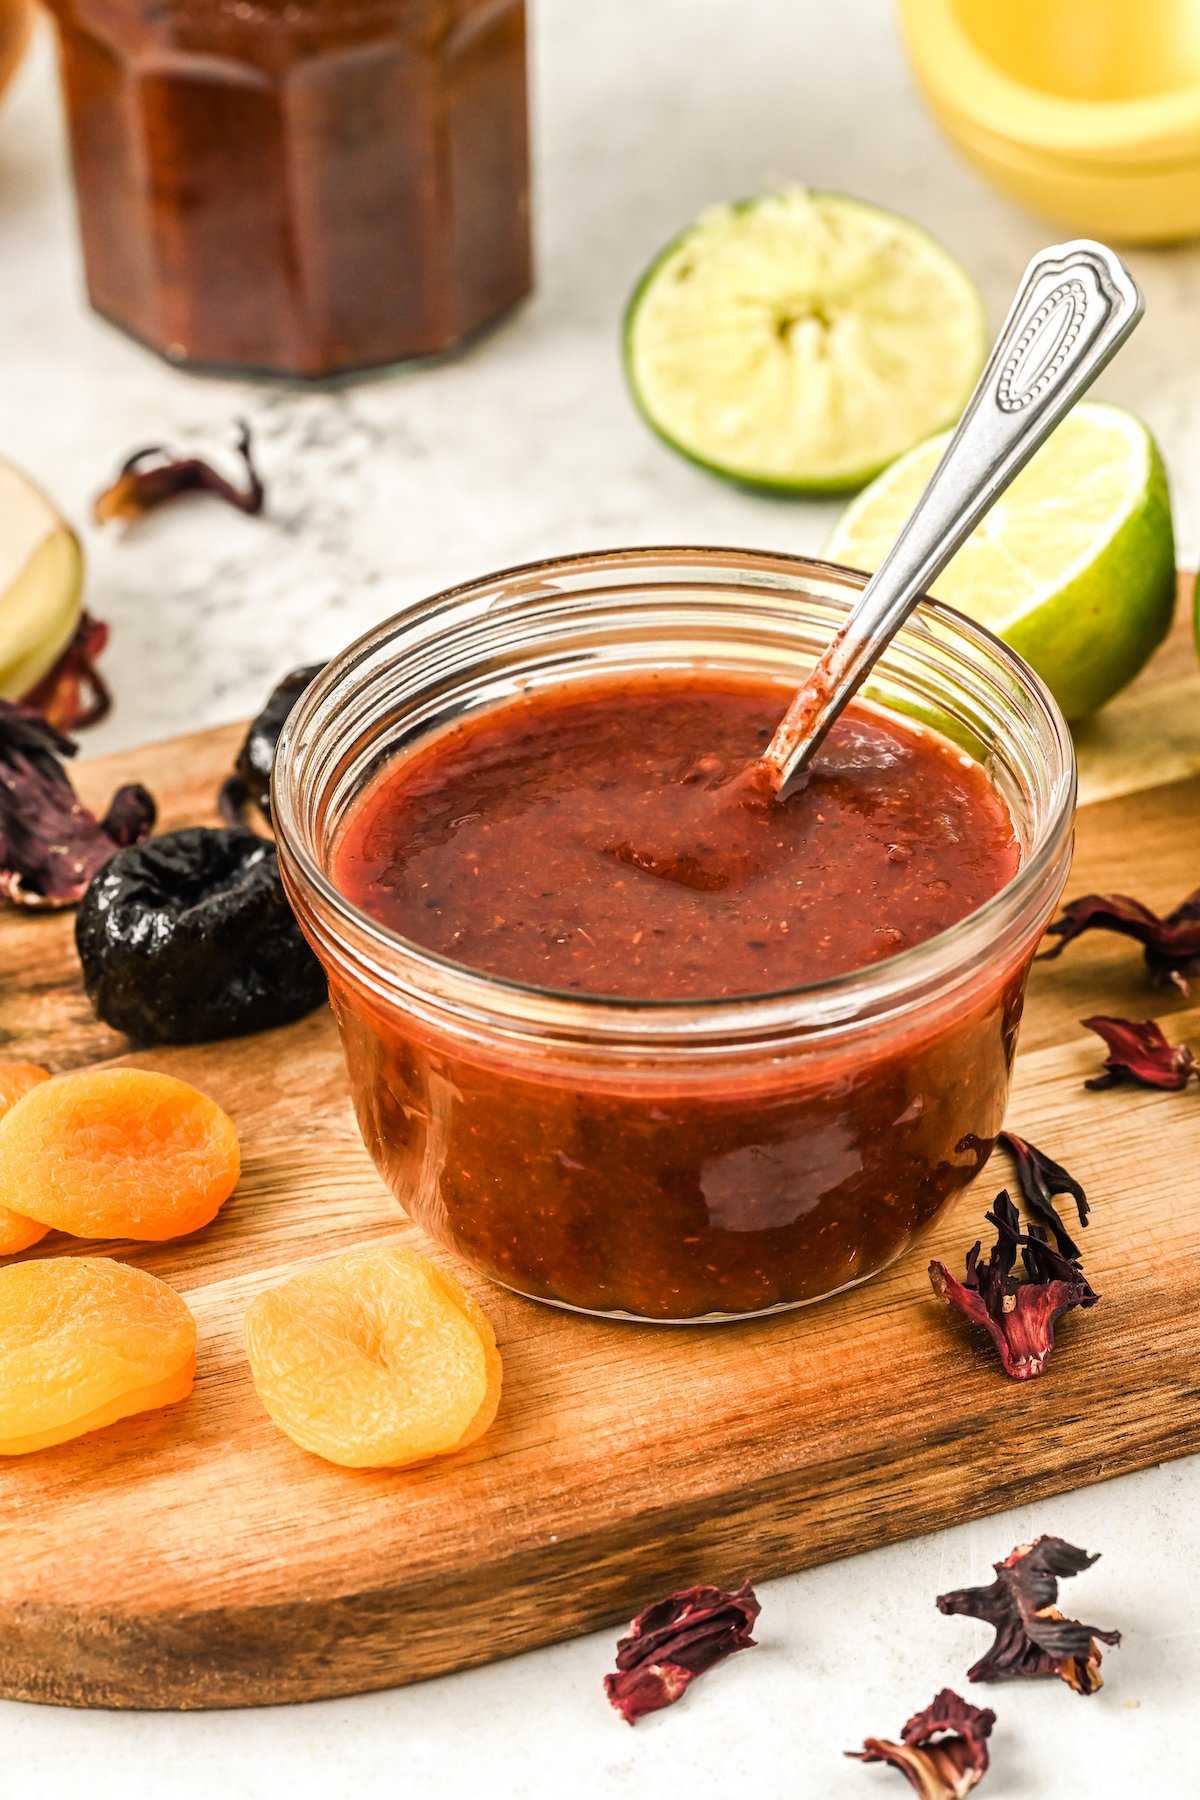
824	338
1075	566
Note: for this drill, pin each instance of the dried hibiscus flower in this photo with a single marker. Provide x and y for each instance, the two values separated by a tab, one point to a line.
942	1751
1020	1315
50	844
1032	1637
673	1641
1139	1052
73	694
251	780
150	477
1171	944
1042	1180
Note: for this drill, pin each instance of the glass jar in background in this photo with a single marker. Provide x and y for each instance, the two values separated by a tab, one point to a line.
688	1159
299	187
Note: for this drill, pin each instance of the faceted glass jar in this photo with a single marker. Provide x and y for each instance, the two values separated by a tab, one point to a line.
654	1159
299	187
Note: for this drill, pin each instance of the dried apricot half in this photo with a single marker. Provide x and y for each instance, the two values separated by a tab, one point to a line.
374	1359
85	1341
118	1153
16	1232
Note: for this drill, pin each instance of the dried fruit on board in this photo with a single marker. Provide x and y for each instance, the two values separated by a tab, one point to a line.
1171	943
1032	1637
50	844
673	1641
73	694
1042	1180
118	1153
1020	1315
16	1231
85	1341
374	1359
1138	1052
942	1752
150	477
190	937
251	780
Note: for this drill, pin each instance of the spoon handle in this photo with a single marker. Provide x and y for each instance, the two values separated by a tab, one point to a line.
1076	306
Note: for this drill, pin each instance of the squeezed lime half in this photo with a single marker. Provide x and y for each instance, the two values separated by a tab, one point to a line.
1074	566
802	341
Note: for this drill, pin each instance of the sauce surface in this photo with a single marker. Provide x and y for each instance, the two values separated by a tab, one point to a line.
603	840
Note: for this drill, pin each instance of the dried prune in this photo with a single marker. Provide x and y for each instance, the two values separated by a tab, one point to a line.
252	779
118	1153
374	1359
190	937
85	1341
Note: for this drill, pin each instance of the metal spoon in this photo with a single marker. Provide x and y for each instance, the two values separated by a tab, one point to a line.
1076	306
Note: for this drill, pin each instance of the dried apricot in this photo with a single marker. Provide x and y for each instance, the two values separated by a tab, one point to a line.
85	1341
374	1359
118	1153
16	1232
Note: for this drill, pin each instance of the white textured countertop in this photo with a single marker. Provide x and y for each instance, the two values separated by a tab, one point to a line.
646	110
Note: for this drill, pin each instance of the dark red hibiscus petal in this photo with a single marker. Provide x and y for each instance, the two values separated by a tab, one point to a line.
151	477
673	1641
1042	1180
1018	1314
942	1752
1033	1638
50	844
1138	1052
1171	943
74	694
130	816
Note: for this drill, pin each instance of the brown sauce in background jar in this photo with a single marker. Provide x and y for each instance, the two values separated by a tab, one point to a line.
299	187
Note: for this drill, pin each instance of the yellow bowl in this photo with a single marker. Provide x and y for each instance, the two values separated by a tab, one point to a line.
1086	110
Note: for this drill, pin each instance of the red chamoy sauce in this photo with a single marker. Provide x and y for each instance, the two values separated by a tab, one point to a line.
606	840
602	844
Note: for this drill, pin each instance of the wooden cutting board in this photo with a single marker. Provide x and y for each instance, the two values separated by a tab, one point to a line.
195	1557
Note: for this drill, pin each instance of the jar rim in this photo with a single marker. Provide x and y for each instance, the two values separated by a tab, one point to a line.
414	972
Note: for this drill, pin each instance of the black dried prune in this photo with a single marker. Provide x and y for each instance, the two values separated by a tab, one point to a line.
252	778
189	937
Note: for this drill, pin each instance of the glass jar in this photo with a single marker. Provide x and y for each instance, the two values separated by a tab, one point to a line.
299	187
672	1160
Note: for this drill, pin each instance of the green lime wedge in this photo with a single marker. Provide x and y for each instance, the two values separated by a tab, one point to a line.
1074	566
802	341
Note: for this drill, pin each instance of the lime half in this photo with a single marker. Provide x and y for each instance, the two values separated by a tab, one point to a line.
802	341
1074	566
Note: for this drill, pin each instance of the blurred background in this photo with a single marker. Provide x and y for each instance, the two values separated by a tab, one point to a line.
644	112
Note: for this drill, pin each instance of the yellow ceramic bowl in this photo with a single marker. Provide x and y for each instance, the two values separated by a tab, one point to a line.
1085	110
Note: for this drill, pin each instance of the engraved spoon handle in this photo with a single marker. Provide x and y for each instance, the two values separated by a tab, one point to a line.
1076	306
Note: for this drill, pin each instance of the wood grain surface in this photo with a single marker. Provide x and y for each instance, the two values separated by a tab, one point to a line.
195	1557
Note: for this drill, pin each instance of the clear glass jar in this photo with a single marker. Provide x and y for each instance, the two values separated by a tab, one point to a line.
299	187
672	1160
